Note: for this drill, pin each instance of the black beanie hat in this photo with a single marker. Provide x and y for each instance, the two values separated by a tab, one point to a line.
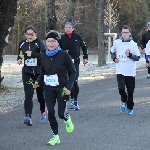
53	35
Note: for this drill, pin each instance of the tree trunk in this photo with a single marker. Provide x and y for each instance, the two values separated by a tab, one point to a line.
101	37
70	13
50	15
146	10
7	12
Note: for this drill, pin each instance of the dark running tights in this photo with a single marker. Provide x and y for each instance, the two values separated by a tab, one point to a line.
129	82
29	91
50	98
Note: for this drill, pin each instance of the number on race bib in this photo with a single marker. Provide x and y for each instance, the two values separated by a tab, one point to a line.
31	62
51	80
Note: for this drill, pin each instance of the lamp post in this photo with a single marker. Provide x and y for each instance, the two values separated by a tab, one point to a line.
114	35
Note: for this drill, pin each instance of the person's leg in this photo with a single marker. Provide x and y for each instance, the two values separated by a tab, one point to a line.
50	99
41	100
62	112
75	89
122	92
28	103
148	68
121	87
130	84
40	96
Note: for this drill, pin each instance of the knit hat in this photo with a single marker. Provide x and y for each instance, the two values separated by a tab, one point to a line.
53	35
148	23
70	23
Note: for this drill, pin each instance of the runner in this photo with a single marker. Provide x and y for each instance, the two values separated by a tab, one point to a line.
31	50
144	40
124	53
71	42
56	64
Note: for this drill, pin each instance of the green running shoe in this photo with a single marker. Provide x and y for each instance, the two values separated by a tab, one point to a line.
54	140
148	76
69	125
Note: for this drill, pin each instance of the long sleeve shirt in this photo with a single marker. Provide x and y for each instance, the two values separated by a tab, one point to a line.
126	65
37	48
73	45
59	65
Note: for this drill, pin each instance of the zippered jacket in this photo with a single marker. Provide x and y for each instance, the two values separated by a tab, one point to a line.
73	44
37	47
59	64
145	38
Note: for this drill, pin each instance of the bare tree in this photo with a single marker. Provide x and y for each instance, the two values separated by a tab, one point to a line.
50	15
101	37
111	14
7	12
71	9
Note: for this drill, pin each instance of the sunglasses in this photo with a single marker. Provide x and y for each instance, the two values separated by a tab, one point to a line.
31	34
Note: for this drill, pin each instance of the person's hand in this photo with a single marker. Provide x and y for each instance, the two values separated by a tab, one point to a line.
19	61
35	85
148	64
67	92
85	61
28	53
127	52
116	60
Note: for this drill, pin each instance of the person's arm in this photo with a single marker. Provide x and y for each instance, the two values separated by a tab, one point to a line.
42	47
113	53
84	48
20	55
42	73
135	55
42	50
142	42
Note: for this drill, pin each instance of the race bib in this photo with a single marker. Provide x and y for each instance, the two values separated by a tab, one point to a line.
51	80
122	56
31	62
73	60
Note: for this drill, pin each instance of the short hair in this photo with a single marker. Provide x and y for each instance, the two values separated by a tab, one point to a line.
126	27
30	27
70	23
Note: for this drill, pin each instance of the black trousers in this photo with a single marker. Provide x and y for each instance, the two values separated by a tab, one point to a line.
28	80
129	83
50	98
75	88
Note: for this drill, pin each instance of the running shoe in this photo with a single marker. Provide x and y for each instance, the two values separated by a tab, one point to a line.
43	117
123	107
76	107
130	112
69	125
72	104
148	76
54	140
28	121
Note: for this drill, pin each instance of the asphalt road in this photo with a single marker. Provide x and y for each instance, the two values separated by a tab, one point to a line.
99	125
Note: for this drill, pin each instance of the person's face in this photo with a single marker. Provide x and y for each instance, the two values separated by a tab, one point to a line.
125	34
148	26
30	35
68	29
51	44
